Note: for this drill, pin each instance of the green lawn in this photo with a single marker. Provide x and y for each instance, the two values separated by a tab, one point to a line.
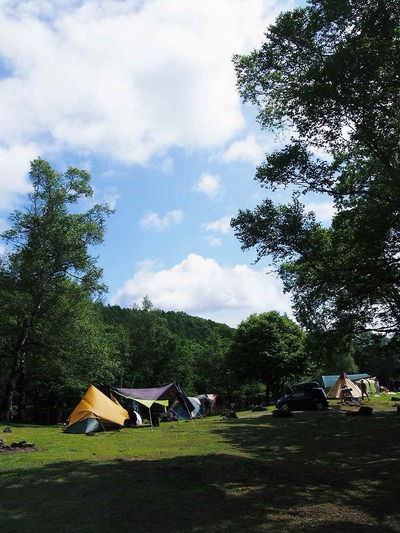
309	472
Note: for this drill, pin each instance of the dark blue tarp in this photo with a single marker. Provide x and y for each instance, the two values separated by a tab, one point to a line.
329	381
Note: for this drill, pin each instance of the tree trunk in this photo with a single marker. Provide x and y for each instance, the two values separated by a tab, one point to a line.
10	388
267	393
36	406
8	395
22	413
276	391
15	376
58	411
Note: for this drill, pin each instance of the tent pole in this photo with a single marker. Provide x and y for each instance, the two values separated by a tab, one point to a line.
151	421
104	429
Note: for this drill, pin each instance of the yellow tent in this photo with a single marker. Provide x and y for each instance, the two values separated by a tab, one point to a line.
95	412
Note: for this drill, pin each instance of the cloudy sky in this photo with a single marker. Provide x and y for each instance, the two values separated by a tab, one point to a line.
142	94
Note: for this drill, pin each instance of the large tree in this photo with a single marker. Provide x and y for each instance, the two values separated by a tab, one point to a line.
268	348
330	71
47	276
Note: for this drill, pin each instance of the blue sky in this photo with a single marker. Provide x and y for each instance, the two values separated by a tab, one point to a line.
141	93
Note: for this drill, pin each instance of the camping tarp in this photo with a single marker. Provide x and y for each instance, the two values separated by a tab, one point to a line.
94	412
167	392
329	381
164	395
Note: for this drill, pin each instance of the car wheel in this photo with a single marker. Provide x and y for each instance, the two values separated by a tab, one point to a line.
319	406
284	407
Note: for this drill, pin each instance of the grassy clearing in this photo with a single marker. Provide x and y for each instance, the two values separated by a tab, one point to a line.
257	473
379	402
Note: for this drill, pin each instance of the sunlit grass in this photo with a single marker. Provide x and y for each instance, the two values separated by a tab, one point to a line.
254	473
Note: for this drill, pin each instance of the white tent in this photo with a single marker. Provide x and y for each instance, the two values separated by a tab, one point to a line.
344	383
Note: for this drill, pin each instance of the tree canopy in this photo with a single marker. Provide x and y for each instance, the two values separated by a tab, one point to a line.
269	348
159	347
329	71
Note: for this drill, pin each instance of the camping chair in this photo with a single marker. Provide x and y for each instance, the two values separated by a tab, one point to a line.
345	394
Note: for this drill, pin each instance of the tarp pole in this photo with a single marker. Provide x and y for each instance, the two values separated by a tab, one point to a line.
151	421
189	413
178	417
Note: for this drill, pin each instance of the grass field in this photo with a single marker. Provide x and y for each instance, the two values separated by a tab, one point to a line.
309	472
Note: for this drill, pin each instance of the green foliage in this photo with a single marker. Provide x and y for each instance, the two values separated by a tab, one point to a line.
47	280
269	348
379	356
161	347
195	328
153	349
331	352
330	71
211	365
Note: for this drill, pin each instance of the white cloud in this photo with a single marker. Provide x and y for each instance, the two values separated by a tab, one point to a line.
210	185
202	287
249	150
166	165
111	196
160	223
126	79
222	225
153	263
321	154
213	241
324	211
14	169
3	226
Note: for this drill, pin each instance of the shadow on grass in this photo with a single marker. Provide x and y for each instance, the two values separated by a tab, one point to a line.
309	472
343	467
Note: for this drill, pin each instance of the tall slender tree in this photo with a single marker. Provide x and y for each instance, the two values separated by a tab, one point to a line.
48	271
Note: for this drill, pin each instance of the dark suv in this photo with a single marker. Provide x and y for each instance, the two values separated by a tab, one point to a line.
304	398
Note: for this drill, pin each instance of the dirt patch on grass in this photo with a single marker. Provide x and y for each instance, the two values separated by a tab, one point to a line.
8	449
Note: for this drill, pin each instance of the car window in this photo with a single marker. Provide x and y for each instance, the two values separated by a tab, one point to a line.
299	394
311	393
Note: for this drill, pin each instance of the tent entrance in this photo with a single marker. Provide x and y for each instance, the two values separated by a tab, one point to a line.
84	426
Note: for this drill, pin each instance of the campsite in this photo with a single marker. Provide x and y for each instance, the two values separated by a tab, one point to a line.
200	266
215	474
